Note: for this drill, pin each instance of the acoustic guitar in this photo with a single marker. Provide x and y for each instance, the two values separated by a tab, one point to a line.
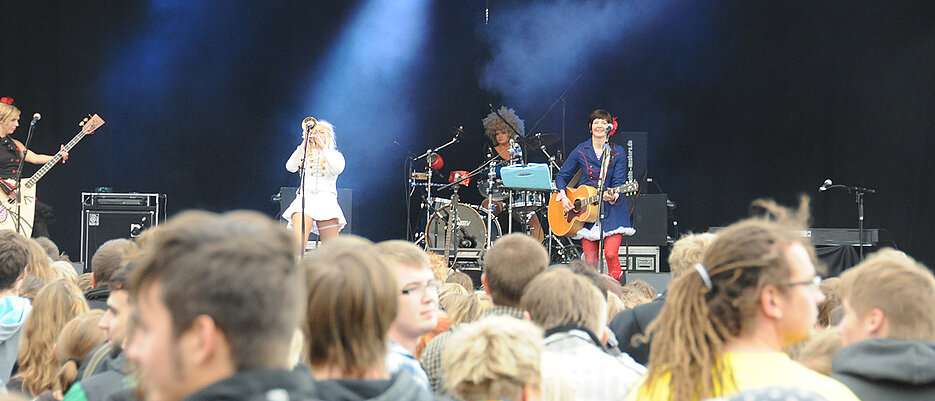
27	195
585	211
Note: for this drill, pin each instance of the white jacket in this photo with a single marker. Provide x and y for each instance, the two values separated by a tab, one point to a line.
322	169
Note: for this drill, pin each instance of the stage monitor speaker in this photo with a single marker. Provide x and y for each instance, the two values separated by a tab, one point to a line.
345	200
649	220
106	216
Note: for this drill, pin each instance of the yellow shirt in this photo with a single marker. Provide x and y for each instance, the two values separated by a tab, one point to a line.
756	370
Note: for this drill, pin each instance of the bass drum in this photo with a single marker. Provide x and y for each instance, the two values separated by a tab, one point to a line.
470	228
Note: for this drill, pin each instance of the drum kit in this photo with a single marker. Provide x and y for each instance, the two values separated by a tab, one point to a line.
515	195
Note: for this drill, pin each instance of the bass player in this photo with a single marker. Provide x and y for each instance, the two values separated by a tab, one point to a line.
588	156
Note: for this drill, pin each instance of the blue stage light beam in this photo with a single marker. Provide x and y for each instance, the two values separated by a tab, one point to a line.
364	86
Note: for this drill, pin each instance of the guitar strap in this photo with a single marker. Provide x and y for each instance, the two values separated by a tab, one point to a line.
573	182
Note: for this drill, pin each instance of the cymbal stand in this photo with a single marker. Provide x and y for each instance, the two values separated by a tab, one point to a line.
430	157
491	176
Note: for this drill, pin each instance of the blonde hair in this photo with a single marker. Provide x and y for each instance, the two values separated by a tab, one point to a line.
829	287
439	266
64	271
493	358
642	287
464	308
615	305
816	353
687	251
77	339
329	133
696	321
8	111
399	253
558	297
84	282
899	286
56	304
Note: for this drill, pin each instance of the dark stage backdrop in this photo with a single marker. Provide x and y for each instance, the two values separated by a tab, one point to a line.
741	100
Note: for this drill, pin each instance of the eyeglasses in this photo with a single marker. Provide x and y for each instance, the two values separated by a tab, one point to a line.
814	282
434	286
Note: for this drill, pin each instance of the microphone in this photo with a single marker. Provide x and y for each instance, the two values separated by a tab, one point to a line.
35	118
515	150
825	185
609	127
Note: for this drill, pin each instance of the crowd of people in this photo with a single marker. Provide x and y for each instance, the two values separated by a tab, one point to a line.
217	306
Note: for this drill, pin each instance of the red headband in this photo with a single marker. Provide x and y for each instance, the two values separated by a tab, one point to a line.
7	100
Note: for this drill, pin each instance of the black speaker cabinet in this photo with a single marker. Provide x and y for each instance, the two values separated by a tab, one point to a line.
106	216
345	200
649	220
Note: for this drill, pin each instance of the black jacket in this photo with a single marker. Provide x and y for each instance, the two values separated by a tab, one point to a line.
631	322
260	385
887	369
97	297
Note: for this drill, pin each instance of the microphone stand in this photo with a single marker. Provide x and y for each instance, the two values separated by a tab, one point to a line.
19	176
859	193
302	170
601	185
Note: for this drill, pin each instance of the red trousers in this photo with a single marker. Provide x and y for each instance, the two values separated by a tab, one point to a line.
611	253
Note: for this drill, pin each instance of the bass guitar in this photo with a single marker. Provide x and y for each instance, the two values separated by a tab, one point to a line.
27	189
585	209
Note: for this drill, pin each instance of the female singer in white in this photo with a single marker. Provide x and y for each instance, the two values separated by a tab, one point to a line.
323	163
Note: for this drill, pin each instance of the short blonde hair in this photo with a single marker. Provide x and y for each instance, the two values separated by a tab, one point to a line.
493	358
8	111
559	297
899	286
399	253
687	251
464	308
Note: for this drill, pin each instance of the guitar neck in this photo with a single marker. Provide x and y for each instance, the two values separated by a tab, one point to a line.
89	127
593	199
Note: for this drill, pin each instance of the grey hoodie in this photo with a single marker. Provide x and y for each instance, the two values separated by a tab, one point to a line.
887	369
13	313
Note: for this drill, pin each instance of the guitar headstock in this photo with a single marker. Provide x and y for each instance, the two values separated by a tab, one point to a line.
630	187
90	124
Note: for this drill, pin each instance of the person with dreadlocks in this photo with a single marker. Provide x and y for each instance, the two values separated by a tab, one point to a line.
723	327
588	156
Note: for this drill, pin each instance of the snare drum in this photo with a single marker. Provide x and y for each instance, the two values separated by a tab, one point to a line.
528	199
470	228
495	191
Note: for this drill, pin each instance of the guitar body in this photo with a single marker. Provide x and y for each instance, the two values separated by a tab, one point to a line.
565	224
27	209
585	199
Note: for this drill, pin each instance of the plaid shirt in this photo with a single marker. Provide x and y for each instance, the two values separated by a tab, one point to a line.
432	356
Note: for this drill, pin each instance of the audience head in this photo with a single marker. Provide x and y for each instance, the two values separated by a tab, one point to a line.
511	263
28	287
417	312
643	288
756	281
352	301
827	310
51	250
496	357
85	282
888	295
14	254
559	298
64	271
687	251
79	337
117	314
212	295
460	278
439	265
56	304
816	353
464	308
108	258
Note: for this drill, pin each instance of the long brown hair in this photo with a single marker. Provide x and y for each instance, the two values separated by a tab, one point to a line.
56	304
79	337
697	321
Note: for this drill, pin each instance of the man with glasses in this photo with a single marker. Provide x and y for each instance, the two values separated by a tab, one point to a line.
417	312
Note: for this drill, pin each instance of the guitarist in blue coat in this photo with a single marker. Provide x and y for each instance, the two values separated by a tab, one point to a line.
588	156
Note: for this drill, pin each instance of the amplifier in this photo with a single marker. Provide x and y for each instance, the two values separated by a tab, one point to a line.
106	216
641	258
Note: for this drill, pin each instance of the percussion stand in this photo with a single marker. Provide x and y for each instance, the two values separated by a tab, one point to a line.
429	159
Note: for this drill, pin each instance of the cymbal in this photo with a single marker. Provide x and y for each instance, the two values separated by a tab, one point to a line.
544	139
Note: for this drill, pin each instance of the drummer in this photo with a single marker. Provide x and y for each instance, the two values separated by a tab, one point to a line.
499	131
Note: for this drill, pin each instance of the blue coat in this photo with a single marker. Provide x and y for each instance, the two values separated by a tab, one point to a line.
617	213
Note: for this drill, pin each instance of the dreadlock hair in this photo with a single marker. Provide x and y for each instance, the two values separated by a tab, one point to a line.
697	321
